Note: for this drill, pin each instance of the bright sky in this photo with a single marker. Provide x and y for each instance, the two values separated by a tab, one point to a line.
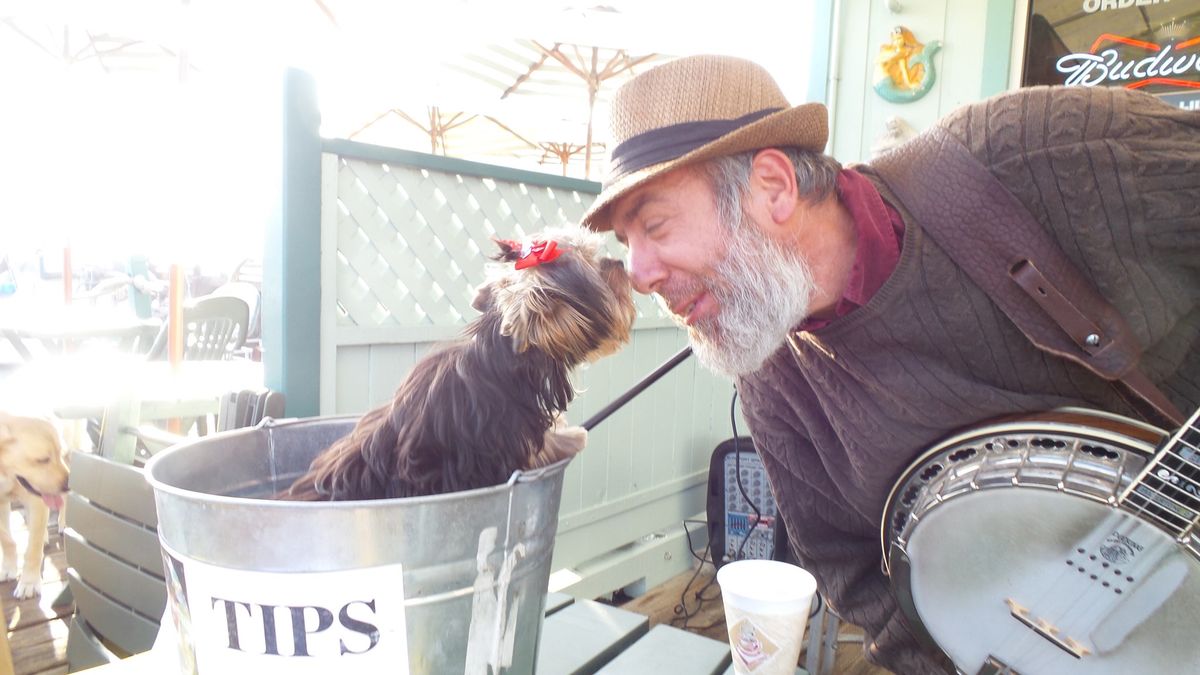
132	159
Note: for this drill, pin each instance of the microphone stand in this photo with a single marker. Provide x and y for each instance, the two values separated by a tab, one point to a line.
638	388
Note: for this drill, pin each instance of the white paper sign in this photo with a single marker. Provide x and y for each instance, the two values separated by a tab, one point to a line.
234	621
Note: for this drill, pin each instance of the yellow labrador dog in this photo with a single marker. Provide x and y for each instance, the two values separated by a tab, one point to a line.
31	470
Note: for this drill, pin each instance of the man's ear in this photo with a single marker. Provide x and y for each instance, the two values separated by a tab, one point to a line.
773	187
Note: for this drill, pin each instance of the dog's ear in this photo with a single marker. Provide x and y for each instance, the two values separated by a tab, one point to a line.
535	317
483	298
7	437
510	251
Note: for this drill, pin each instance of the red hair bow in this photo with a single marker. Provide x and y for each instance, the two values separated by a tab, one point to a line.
536	252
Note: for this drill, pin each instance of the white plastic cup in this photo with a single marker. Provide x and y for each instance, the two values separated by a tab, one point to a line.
767	603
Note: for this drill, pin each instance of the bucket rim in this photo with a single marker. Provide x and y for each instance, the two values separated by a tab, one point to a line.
268	424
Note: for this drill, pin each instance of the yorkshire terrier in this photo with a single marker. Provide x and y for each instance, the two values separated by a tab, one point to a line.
490	403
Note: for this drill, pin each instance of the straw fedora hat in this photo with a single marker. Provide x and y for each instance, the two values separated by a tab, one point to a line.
696	108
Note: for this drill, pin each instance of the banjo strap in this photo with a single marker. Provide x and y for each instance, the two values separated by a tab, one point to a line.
998	243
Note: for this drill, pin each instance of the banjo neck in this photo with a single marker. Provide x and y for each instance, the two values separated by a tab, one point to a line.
1167	491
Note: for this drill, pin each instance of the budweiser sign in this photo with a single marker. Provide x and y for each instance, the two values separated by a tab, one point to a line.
1137	64
1090	6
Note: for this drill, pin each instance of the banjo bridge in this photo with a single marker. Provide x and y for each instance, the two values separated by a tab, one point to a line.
1047	630
994	666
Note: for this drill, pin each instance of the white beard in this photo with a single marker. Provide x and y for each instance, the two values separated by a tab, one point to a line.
762	292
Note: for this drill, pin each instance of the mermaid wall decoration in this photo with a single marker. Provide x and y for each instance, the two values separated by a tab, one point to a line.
904	69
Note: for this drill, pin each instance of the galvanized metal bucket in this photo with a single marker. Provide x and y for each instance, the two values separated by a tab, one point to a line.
452	583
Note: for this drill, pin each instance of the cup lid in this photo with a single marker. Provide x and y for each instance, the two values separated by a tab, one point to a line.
766	580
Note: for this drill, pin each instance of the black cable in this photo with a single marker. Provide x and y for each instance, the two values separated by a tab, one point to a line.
757	515
681	610
737	468
688	534
682	614
819	605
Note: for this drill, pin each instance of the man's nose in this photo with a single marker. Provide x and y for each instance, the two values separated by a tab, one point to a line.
646	270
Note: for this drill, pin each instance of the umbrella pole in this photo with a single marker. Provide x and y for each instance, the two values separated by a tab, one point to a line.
435	131
175	317
175	331
68	275
587	158
593	85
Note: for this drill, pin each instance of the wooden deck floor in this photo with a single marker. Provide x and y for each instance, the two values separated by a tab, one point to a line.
37	628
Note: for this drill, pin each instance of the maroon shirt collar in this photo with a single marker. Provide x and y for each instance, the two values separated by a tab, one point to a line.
880	231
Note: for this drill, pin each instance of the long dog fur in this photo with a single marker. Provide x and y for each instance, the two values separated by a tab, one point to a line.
478	409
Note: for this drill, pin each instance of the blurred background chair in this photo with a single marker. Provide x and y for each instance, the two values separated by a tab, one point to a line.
114	565
215	328
253	297
121	427
237	409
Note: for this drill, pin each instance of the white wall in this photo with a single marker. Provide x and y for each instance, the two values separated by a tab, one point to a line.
973	63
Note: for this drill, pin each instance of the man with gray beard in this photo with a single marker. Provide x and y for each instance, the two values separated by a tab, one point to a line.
854	338
755	273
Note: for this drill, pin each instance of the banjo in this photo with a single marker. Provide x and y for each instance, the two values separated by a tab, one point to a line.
1064	542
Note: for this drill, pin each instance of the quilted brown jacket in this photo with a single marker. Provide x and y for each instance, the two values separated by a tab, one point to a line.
838	413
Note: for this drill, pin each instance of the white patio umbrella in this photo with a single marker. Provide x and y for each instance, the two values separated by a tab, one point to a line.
546	79
439	131
565	152
561	143
480	137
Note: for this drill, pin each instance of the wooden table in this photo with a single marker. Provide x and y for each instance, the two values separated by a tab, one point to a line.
57	327
128	388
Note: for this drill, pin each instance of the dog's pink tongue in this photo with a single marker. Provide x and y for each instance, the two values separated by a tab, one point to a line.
55	502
